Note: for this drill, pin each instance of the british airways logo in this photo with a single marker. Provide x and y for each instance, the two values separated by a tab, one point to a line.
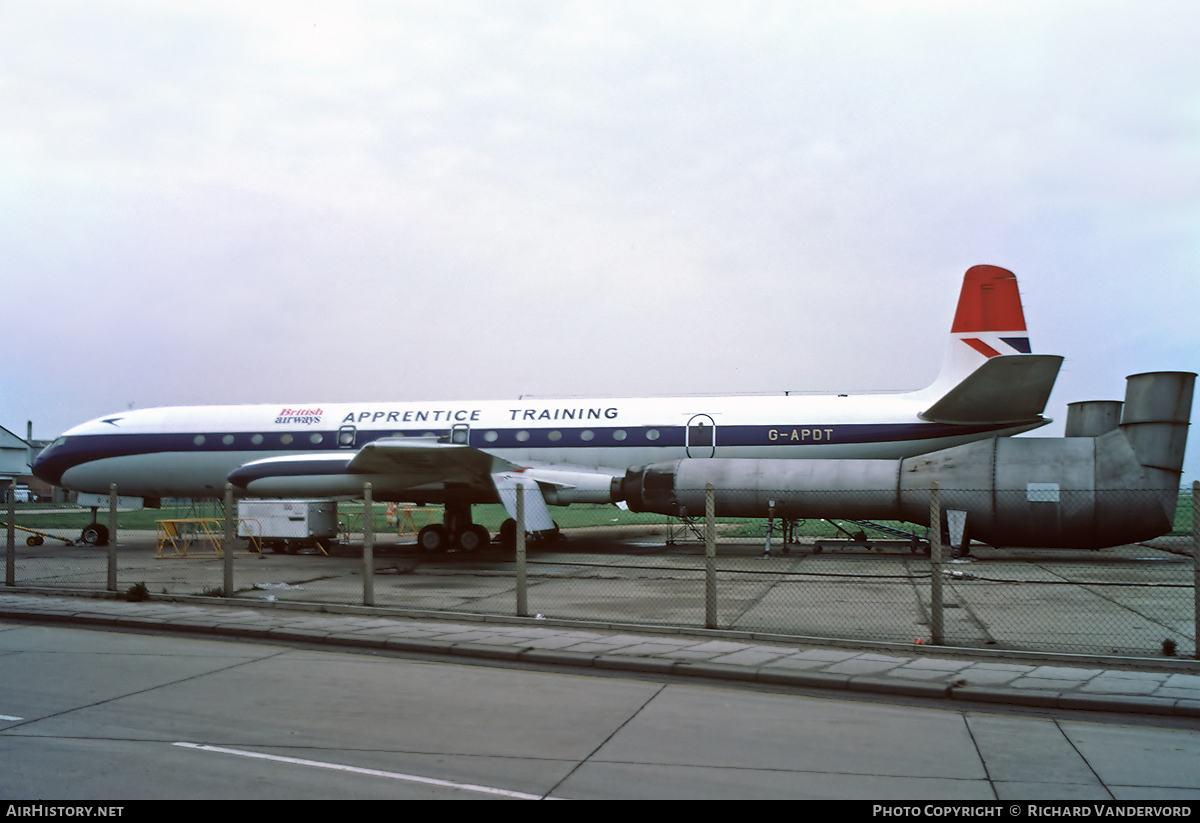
305	417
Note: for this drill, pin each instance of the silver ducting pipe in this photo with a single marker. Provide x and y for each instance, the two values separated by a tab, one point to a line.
1092	418
1076	492
1158	406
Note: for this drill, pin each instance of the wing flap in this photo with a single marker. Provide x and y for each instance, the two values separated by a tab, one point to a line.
537	516
420	460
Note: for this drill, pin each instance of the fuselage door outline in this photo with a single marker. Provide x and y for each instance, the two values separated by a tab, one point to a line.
701	436
346	437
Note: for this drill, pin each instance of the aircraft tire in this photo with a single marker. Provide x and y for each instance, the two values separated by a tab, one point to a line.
433	538
94	534
507	536
474	538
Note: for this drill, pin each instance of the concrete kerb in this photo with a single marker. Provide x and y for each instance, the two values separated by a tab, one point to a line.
194	624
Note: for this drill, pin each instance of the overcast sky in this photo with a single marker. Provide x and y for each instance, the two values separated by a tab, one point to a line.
288	203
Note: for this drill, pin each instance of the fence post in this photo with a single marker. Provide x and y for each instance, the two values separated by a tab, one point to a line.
770	526
1196	565
227	543
935	565
112	537
368	556
522	595
710	557
10	563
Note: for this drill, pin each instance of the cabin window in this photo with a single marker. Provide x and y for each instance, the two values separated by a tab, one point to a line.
287	438
227	440
491	437
586	434
619	434
522	436
257	439
315	438
652	434
556	435
198	440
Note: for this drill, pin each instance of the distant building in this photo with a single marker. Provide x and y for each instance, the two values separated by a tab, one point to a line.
16	460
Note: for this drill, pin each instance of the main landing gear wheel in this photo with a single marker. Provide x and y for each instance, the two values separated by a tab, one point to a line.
94	534
508	534
474	538
433	538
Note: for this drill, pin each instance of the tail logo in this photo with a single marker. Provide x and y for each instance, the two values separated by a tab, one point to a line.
989	318
1017	345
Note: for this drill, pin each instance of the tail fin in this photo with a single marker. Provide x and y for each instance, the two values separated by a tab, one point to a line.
989	322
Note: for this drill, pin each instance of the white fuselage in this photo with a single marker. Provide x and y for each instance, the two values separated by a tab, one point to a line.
189	451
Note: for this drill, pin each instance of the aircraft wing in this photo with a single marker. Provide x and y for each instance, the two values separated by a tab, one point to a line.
1004	389
415	461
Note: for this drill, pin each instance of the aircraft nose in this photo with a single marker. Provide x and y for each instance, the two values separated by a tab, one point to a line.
53	460
41	467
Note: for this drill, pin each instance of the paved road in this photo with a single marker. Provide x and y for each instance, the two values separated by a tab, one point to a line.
102	714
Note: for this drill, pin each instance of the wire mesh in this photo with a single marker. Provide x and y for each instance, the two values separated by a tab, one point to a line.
863	579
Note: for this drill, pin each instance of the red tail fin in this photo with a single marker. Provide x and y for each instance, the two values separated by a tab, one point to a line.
989	322
989	301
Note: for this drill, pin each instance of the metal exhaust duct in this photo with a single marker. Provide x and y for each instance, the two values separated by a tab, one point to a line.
1092	418
1158	407
1071	492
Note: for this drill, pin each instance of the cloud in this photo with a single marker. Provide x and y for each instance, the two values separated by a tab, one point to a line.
227	203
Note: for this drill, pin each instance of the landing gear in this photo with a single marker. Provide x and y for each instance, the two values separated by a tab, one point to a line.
474	538
507	537
458	532
94	534
433	538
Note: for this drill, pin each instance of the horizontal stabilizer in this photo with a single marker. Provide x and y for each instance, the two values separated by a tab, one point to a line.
1002	390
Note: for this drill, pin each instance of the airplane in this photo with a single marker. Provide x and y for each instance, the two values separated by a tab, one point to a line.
561	451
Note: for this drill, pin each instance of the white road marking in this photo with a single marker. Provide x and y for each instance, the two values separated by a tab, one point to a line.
412	778
10	717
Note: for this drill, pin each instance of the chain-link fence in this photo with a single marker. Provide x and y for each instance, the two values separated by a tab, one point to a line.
797	572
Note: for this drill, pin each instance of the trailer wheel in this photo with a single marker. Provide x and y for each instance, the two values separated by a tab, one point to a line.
34	540
94	534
